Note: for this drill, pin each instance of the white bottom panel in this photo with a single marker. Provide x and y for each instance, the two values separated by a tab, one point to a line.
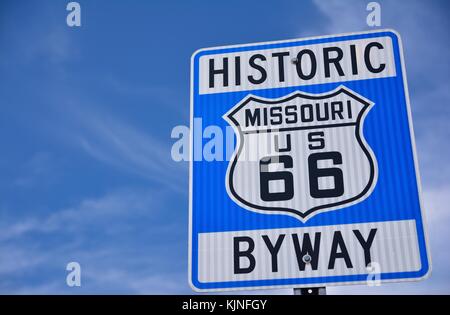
335	251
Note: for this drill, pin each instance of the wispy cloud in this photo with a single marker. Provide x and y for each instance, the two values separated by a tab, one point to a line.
105	211
342	16
428	85
166	98
133	239
38	168
52	46
115	238
117	143
428	75
437	216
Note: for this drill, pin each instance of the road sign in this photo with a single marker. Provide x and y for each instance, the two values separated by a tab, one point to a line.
318	183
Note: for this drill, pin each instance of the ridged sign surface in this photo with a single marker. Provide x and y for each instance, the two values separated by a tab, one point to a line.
303	170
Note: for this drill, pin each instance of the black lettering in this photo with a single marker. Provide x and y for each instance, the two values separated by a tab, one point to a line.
237	70
336	60
265	116
338	243
369	64
243	253
318	137
325	115
366	245
298	65
257	67
315	173
306	109
274	249
288	144
276	116
252	119
349	109
280	56
291	111
337	110
307	248
265	177
354	60
213	72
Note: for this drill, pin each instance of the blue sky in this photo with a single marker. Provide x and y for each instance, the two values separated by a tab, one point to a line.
86	116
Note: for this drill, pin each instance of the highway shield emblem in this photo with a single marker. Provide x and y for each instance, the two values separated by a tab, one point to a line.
301	154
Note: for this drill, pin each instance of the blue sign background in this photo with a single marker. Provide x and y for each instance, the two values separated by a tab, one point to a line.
386	130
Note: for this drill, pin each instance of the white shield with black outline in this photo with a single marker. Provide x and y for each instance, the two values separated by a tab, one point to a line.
301	154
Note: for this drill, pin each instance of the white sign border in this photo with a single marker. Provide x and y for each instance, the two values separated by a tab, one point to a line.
414	150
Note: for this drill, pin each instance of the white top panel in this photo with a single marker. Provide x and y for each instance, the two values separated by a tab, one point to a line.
316	64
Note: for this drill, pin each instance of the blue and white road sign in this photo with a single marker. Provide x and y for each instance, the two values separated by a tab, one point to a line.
303	168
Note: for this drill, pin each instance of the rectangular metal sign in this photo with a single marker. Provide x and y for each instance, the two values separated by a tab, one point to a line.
303	169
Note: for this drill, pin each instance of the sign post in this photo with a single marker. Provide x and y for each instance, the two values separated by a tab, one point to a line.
310	291
303	170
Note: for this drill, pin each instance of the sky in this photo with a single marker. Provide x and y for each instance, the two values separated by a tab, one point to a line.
86	115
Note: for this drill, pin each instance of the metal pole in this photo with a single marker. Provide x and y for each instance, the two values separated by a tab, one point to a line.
310	291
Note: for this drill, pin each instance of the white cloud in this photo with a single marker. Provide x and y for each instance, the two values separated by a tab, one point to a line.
105	235
424	41
428	78
437	217
103	211
121	145
169	99
38	169
46	242
343	16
